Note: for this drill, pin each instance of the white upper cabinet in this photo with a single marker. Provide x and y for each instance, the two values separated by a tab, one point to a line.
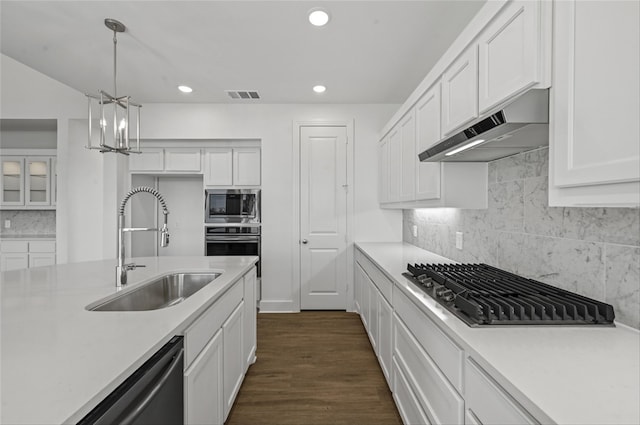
511	57
246	166
26	183
232	167
12	181
218	168
37	181
409	158
395	162
594	147
151	159
182	160
460	91
427	134
166	160
383	173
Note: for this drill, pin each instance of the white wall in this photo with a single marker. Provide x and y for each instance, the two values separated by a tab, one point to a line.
273	125
91	185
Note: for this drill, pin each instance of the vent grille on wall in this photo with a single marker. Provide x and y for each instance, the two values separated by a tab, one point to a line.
243	94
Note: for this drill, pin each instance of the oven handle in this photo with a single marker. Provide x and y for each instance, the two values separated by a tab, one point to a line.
212	239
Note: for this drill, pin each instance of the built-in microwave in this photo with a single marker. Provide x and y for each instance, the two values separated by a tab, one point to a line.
232	206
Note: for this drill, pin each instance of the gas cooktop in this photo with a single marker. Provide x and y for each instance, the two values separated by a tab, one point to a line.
482	295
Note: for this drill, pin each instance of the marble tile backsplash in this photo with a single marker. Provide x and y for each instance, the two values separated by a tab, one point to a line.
28	222
591	251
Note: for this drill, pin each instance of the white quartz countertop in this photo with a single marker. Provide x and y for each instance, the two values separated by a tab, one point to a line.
560	374
59	360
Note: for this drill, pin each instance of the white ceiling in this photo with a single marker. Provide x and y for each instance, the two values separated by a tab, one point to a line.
370	52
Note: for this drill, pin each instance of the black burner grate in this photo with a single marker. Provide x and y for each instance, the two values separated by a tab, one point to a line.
484	295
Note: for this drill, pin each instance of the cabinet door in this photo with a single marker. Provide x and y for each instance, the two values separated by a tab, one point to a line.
54	181
246	166
233	356
408	157
218	167
383	171
13	261
37	181
595	102
203	385
408	405
357	290
490	403
373	314
366	295
42	259
151	159
395	162
460	91
250	312
509	54
12	181
428	134
385	340
182	160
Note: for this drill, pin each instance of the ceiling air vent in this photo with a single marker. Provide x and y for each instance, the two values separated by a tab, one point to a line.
243	94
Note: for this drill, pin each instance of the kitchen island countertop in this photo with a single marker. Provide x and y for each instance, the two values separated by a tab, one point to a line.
560	374
60	360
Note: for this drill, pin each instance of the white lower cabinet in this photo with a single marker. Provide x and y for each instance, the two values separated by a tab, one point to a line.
432	378
13	261
487	402
24	254
385	336
373	314
437	396
232	357
250	316
406	401
203	395
215	355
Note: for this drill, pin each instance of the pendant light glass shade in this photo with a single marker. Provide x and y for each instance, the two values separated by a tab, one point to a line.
113	119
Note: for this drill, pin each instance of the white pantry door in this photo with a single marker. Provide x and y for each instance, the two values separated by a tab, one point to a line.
323	217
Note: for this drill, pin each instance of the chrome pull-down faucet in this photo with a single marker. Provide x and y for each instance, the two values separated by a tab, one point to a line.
122	268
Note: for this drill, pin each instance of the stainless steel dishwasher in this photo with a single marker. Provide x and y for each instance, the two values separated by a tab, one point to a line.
153	394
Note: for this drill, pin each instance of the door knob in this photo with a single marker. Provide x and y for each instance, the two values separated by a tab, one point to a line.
304	241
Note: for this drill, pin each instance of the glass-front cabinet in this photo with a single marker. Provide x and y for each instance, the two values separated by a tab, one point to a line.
37	181
12	181
27	182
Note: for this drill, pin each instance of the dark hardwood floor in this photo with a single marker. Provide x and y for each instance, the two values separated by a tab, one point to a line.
314	368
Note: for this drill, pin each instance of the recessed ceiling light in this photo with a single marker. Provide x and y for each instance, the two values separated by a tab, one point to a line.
318	17
319	89
185	89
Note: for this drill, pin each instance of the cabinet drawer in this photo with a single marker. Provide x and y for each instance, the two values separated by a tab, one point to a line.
444	352
200	332
408	405
14	246
436	395
42	246
489	403
382	282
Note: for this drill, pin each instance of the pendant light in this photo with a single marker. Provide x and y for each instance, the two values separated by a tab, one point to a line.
114	115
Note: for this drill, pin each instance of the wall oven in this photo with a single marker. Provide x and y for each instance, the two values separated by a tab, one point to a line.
229	239
232	206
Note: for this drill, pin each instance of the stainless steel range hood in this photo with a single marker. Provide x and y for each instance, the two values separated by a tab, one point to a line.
520	126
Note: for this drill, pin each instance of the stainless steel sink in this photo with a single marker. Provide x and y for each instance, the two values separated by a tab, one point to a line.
162	292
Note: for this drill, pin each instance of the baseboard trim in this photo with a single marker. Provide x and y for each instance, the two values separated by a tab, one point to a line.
278	306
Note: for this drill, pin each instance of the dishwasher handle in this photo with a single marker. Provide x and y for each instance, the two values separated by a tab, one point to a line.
139	408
